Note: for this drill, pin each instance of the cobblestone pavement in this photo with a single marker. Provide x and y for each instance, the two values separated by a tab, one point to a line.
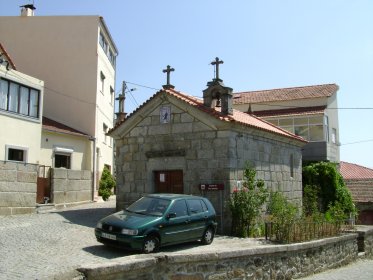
54	244
360	270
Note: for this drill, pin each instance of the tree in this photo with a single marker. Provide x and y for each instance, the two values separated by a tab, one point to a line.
107	183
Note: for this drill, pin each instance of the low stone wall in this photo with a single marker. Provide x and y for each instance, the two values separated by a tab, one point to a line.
365	240
71	186
265	262
17	188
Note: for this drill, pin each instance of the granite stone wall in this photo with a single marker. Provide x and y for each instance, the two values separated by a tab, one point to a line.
71	186
266	262
17	188
206	155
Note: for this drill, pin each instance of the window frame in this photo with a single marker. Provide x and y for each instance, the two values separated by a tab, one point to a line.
21	105
20	148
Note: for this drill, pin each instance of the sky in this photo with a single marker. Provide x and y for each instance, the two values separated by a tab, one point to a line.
265	44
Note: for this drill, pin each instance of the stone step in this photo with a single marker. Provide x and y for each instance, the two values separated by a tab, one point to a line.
45	208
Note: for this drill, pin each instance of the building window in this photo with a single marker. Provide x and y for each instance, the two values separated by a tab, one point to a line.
102	80
62	161
312	128
334	135
107	49
291	166
111	95
14	153
105	130
19	99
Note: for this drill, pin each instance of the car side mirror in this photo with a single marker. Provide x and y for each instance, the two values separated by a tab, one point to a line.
171	215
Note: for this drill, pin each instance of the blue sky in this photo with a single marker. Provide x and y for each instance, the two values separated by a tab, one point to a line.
264	44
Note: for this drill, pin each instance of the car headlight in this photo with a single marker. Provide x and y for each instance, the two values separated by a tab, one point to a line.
99	225
129	231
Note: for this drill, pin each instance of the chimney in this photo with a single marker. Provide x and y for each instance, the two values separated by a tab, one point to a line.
27	10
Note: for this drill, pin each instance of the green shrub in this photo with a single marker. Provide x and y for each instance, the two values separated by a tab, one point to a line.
107	183
323	187
283	215
246	203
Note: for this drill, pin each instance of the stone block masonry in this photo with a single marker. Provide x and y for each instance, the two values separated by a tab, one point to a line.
17	188
264	262
71	186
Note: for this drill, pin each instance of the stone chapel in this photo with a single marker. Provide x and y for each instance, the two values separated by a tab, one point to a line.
177	143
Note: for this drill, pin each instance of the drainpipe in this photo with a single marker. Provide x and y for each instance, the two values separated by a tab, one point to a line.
94	184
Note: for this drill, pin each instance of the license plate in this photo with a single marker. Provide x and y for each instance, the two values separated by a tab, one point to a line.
108	236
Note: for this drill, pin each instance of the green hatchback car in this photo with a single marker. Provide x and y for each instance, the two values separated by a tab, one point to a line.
157	220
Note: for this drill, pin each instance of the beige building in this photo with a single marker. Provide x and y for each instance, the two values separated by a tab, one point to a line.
309	111
21	100
75	56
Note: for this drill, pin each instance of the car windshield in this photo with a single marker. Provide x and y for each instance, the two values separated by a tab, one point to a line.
149	206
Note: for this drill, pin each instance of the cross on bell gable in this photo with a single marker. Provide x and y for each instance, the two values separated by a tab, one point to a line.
168	70
216	63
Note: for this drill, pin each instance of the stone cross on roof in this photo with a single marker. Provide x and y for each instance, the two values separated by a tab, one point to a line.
216	63
168	70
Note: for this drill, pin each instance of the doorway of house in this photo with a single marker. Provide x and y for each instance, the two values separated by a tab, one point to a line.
169	181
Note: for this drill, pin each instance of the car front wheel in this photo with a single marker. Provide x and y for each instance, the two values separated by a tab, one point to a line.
208	236
151	244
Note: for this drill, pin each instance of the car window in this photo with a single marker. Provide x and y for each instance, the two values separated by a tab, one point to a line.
195	206
149	206
179	208
204	206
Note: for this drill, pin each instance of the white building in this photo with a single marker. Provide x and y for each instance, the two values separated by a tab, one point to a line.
21	99
75	57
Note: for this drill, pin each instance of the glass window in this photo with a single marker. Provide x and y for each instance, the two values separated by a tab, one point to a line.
179	208
16	154
300	121
19	99
13	97
102	40
3	94
316	120
34	103
283	122
288	128
301	131
23	106
291	165
334	135
194	206
62	160
316	133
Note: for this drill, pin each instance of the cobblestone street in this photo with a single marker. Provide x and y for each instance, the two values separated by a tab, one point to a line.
54	244
38	246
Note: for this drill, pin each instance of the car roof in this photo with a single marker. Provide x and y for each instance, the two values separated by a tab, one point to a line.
172	196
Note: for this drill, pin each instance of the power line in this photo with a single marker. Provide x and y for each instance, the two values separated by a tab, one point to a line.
358	142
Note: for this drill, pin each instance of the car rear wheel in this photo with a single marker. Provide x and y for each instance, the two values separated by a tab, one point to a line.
208	236
151	244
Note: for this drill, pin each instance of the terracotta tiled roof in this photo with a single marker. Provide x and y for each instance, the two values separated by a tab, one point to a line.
51	125
354	171
8	58
237	117
285	94
301	111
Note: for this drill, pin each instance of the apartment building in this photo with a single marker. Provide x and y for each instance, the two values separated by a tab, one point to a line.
309	111
75	56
